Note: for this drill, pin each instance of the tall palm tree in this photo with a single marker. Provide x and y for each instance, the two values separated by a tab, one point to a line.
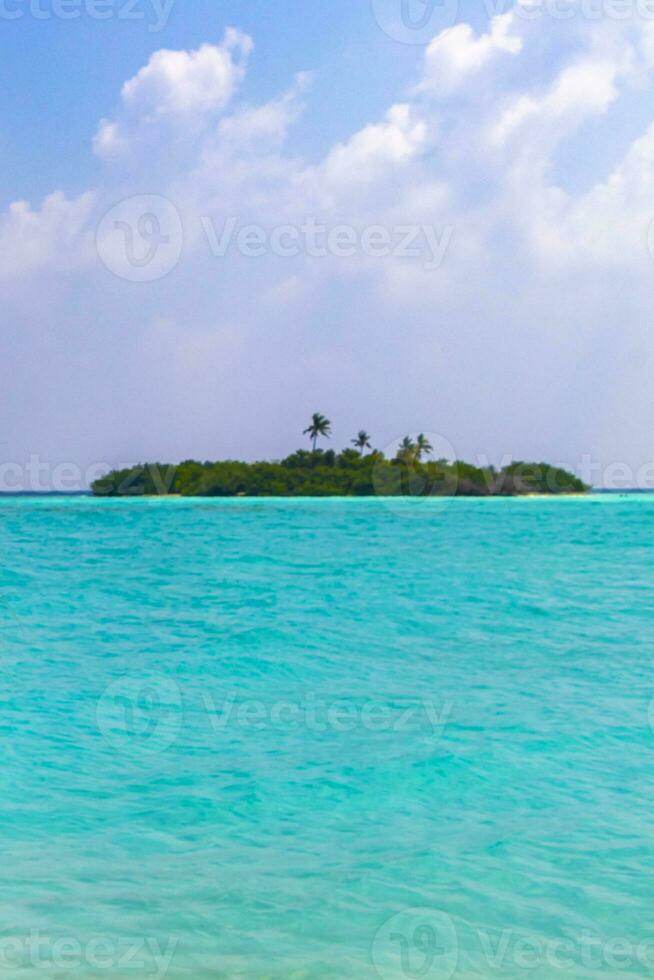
423	447
320	426
362	441
406	452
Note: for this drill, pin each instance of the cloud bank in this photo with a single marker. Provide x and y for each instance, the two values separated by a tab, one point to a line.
530	338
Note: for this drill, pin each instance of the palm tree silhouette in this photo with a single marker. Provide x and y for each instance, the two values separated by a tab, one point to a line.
407	450
423	447
320	426
362	441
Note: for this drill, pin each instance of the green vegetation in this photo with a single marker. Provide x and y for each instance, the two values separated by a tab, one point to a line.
351	473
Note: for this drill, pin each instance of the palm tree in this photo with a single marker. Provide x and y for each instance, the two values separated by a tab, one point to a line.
423	447
406	452
362	441
320	426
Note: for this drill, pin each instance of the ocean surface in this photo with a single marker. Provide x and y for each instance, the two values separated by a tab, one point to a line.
327	739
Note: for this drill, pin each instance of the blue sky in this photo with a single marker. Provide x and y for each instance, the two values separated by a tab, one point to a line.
483	186
60	76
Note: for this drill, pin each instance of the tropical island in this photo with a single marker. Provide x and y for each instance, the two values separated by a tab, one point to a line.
359	471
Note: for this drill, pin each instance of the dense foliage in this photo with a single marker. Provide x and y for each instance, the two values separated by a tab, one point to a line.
328	474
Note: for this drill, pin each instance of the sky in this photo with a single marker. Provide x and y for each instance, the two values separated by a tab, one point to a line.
411	216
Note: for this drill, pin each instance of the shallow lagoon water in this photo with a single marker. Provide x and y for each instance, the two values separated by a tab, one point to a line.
327	738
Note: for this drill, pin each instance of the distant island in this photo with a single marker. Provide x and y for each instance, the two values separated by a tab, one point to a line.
357	472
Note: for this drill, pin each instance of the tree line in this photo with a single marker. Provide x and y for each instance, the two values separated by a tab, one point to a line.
357	472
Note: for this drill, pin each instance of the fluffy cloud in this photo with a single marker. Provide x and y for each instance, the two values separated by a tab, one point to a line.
178	85
377	148
268	124
610	226
581	90
528	278
57	235
456	54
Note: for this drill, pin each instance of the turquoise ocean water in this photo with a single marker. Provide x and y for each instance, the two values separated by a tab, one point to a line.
322	739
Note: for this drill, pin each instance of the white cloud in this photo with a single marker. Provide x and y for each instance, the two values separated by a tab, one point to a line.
402	168
176	86
585	89
531	267
377	149
56	236
267	124
609	225
189	81
456	54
